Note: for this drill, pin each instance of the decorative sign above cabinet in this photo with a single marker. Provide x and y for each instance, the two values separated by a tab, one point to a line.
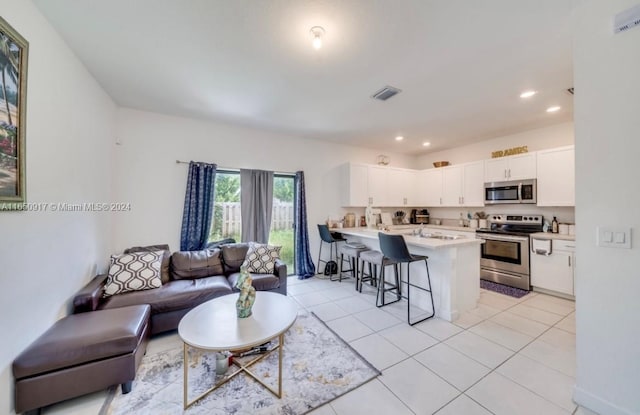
509	152
382	160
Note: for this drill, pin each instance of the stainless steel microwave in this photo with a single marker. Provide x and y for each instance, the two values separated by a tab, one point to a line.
516	191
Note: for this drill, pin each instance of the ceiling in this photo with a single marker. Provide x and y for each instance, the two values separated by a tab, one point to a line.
461	64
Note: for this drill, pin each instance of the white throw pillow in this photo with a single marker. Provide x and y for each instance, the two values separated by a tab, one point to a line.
261	258
134	272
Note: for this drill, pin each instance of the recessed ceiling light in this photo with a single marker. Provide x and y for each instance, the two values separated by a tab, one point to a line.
528	94
426	144
553	109
399	138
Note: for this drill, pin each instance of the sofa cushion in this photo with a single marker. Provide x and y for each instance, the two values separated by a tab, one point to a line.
233	256
260	282
82	338
261	258
196	264
134	272
166	257
174	295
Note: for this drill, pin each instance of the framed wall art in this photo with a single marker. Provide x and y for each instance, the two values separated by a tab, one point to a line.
14	50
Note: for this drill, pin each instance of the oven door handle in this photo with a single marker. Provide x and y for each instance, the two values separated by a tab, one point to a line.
504	238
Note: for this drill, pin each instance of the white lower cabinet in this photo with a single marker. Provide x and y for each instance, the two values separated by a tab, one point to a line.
554	272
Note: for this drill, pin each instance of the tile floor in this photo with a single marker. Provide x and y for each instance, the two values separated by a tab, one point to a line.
508	356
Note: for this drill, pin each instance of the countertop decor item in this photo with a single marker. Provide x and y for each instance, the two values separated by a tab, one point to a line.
247	294
440	163
382	160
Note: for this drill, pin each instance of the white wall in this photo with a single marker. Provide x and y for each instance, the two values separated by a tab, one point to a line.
147	176
607	82
46	257
538	139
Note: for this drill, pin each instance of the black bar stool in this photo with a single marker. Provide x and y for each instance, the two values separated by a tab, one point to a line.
395	249
374	259
327	237
352	254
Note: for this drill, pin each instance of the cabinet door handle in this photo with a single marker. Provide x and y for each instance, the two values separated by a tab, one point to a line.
462	198
509	173
569	260
505	173
440	200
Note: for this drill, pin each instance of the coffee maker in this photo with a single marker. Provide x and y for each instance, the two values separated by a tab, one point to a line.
419	216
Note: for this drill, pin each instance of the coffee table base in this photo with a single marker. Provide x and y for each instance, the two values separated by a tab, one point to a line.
241	368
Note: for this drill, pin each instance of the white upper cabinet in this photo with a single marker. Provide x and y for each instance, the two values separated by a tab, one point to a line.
452	186
556	177
378	186
430	187
473	184
402	187
519	167
355	188
463	185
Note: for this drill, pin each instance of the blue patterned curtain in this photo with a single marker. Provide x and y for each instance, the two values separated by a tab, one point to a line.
303	264
198	206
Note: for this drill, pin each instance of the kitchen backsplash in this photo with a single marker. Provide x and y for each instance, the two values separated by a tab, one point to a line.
451	215
563	214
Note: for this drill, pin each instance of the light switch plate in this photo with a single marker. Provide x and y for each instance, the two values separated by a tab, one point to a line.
613	237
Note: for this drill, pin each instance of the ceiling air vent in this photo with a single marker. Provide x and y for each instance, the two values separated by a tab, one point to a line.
570	90
386	93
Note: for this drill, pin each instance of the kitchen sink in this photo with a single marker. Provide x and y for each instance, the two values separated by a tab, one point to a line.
444	237
436	236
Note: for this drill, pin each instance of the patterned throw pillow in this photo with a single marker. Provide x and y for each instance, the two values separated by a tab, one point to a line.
261	258
133	272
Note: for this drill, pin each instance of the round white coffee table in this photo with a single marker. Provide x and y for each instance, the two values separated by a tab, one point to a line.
214	326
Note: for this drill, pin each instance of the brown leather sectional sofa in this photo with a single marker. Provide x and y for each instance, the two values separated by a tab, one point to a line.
189	279
103	341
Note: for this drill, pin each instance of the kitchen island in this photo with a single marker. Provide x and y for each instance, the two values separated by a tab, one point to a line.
454	268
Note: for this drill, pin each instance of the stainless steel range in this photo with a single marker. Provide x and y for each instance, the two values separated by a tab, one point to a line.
505	254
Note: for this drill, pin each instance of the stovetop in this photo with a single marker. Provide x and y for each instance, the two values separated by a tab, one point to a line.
508	224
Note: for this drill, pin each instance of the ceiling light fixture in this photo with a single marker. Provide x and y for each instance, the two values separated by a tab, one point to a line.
528	94
553	109
317	32
399	138
426	144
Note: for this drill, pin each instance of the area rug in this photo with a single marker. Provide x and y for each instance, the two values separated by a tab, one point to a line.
503	289
318	366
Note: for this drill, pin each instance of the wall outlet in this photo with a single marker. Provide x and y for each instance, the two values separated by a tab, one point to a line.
613	237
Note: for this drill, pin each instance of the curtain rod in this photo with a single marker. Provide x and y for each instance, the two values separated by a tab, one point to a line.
238	170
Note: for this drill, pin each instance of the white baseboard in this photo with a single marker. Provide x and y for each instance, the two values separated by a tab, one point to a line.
597	404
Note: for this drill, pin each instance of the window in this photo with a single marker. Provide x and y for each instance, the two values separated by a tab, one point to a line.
227	219
227	222
282	218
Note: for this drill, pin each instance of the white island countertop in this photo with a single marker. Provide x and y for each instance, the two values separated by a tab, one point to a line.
454	266
411	240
